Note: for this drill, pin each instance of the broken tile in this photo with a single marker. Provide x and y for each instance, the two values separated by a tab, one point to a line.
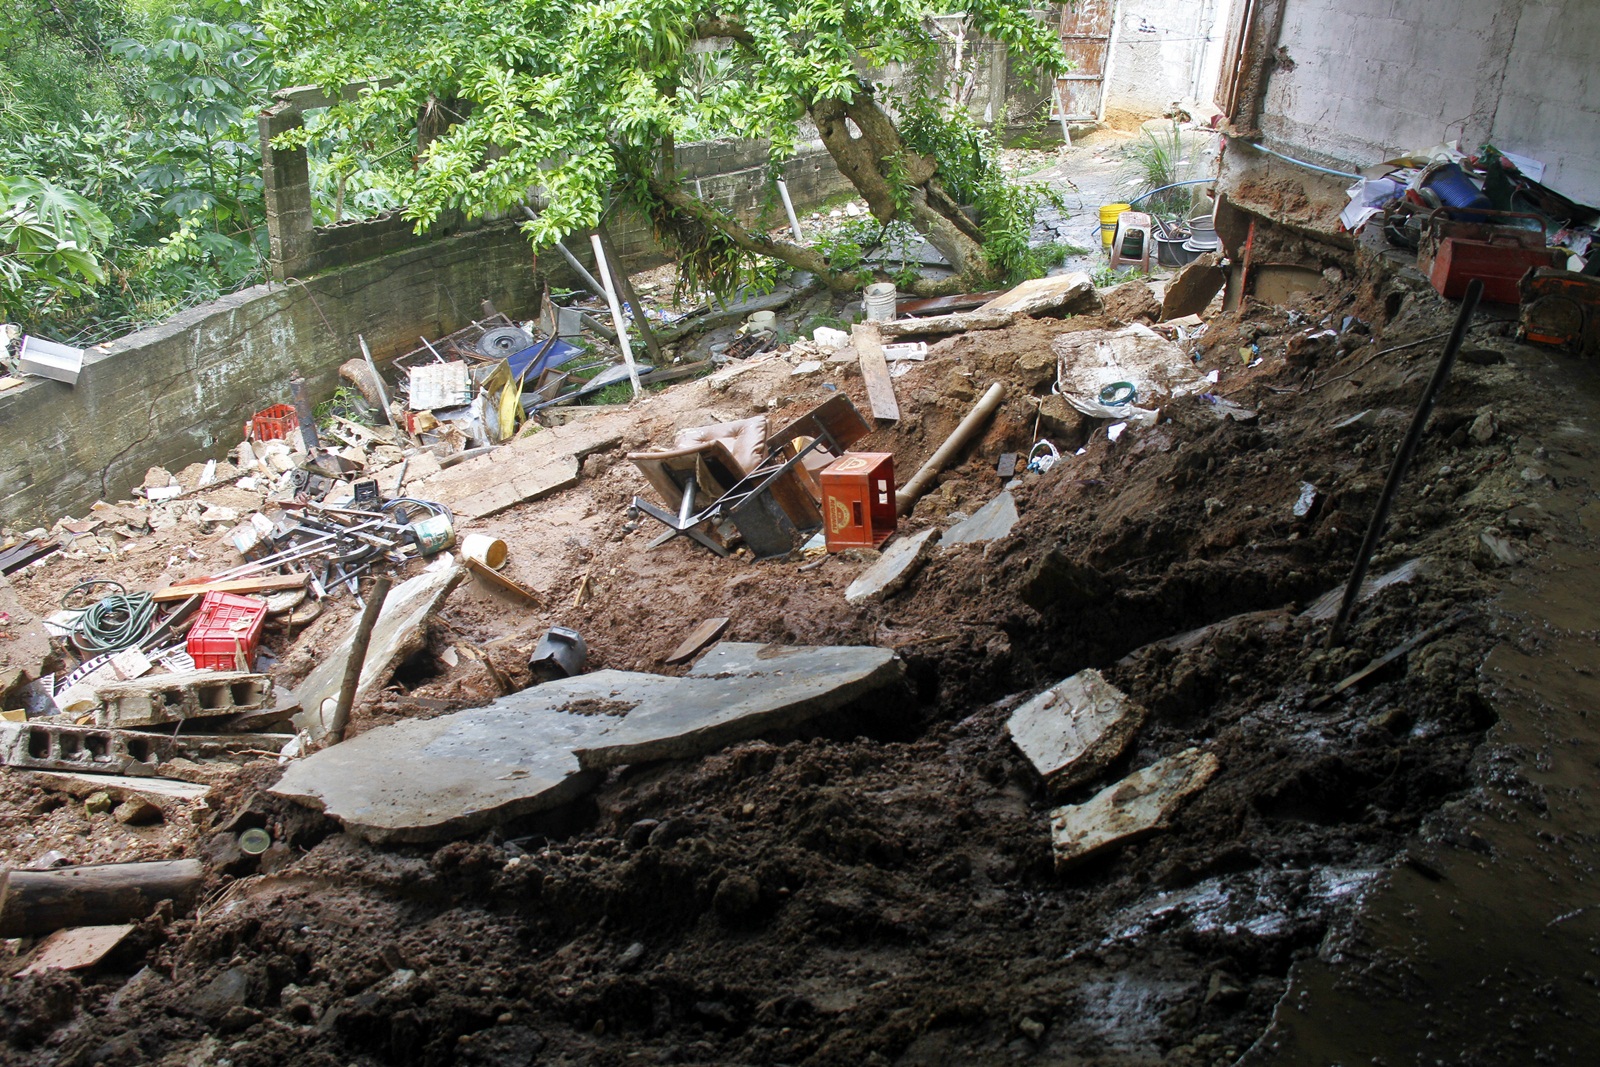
989	523
1131	808
75	948
893	569
1075	729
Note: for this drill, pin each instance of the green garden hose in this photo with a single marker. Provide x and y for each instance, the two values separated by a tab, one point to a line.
114	622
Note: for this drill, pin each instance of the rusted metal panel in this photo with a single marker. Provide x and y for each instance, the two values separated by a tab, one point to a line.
1086	40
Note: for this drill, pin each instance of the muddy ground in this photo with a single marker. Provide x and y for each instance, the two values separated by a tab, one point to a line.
881	890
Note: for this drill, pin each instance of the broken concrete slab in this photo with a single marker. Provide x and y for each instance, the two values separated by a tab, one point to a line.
897	565
1074	730
462	772
120	786
398	632
989	523
525	469
543	747
1073	291
1192	291
1131	808
178	697
1326	606
738	691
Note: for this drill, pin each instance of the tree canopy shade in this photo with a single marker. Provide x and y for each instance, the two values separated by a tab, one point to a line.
573	102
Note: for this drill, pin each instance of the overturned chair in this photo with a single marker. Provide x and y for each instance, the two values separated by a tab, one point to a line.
734	478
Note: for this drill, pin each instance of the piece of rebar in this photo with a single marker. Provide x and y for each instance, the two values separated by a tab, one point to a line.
358	658
1402	460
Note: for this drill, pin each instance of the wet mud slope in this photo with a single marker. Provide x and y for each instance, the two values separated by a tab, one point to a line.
881	889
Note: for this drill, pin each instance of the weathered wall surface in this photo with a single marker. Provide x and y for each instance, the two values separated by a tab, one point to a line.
180	392
1162	52
1357	81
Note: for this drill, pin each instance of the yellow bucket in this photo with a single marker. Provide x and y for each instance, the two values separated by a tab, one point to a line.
1109	213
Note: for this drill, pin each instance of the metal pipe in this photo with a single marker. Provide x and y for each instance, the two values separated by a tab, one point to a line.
383	394
788	207
616	316
980	413
1402	460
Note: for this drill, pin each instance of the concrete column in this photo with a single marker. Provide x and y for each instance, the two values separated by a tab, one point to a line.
286	175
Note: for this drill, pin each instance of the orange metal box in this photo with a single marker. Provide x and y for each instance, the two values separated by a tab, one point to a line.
858	500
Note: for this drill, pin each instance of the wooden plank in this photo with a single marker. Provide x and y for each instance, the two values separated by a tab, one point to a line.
697	638
267	583
496	580
875	372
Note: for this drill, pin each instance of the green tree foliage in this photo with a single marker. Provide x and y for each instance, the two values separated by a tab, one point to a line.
162	176
570	102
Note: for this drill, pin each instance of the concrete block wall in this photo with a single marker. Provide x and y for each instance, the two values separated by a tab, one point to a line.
180	392
1361	80
1158	56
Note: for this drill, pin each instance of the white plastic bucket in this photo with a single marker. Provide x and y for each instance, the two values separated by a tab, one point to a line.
481	548
879	298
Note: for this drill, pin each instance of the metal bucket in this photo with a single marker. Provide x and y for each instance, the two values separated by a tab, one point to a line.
434	534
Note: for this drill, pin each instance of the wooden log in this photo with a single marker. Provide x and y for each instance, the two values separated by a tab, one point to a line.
34	903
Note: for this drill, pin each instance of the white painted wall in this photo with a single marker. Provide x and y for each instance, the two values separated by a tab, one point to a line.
1370	78
1163	52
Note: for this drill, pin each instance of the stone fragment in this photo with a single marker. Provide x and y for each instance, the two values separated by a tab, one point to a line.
1072	291
1075	729
98	803
179	697
137	811
1191	291
989	523
897	565
1131	808
1483	428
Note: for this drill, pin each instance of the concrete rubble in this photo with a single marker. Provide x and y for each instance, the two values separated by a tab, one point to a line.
181	696
889	573
989	523
1131	808
544	746
1074	730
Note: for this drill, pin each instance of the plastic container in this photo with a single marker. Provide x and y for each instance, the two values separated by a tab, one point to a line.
272	424
880	299
484	549
1455	189
433	534
1109	213
858	505
226	625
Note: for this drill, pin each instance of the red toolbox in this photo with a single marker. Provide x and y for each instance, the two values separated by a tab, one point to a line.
858	500
226	625
1452	253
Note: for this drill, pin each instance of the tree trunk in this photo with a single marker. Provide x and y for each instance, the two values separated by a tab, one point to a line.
876	159
33	903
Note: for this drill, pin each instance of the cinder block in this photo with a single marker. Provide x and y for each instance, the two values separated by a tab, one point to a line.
48	747
176	697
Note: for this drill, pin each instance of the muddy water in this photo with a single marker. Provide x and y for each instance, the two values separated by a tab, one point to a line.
1484	947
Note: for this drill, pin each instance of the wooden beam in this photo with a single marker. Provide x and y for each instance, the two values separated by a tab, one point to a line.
875	372
267	583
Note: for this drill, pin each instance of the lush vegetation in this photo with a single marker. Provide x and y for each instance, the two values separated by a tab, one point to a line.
578	104
130	174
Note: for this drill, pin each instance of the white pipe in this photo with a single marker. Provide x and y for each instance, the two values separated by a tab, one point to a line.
788	206
975	420
616	312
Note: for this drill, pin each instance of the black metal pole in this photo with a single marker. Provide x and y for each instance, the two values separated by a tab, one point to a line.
1397	471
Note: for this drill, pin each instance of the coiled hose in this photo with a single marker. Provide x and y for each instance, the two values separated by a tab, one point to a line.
112	623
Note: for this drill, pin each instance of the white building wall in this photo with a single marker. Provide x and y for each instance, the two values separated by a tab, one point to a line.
1162	52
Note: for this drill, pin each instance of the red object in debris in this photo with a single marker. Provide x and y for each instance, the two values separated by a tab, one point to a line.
226	625
858	500
272	424
1501	266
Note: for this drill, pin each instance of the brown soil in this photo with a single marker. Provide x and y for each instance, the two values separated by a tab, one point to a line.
879	890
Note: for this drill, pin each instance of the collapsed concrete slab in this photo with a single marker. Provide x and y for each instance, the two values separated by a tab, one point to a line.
1074	730
398	632
738	691
528	468
545	746
989	523
892	570
1133	807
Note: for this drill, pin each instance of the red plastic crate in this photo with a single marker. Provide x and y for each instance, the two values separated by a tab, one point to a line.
858	506
272	424
225	623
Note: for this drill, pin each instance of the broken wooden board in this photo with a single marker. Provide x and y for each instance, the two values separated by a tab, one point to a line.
267	583
1052	293
1133	807
875	372
495	580
696	639
75	948
1074	730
